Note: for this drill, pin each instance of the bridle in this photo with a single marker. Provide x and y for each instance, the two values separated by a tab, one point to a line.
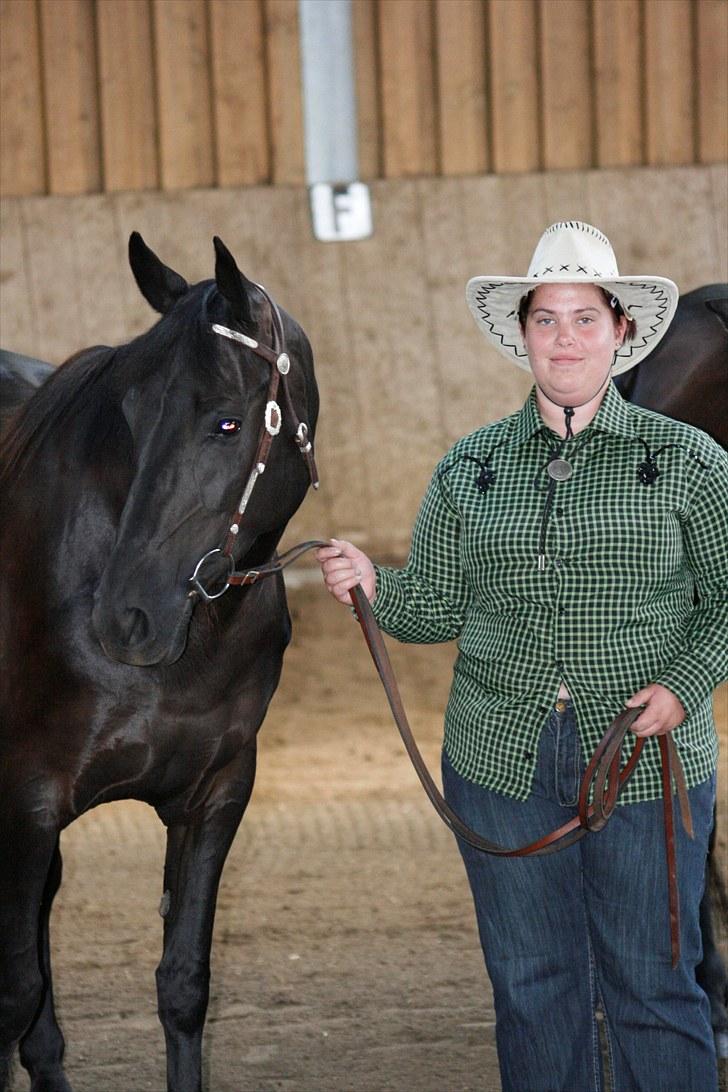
603	780
280	365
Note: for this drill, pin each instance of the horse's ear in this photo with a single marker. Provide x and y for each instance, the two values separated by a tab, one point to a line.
234	286
160	285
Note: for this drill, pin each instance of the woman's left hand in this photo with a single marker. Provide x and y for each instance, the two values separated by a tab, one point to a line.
662	712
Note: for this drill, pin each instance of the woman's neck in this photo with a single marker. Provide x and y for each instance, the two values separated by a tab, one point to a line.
552	413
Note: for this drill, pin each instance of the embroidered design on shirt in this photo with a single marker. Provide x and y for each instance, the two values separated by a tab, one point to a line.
648	471
487	475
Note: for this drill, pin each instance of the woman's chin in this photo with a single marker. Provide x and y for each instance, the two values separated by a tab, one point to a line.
564	393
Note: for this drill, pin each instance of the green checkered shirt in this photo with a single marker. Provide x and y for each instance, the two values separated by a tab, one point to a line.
612	609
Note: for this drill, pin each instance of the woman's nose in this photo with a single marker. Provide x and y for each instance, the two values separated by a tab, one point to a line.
564	336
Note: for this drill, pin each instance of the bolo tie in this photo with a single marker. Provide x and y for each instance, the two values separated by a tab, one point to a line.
558	469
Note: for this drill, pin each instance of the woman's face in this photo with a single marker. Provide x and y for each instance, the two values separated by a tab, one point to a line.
570	337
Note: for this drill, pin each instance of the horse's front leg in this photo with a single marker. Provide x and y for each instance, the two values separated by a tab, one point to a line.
42	1047
195	857
28	858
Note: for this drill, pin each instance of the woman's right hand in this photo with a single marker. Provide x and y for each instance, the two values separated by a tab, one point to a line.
343	566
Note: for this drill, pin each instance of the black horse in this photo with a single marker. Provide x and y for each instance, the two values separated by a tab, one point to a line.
119	679
686	377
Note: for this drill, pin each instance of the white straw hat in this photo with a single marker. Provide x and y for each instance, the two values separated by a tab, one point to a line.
571	252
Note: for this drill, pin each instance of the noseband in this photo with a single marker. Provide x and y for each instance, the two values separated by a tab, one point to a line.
280	366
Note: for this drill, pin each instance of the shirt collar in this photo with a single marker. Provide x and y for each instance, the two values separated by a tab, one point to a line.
614	415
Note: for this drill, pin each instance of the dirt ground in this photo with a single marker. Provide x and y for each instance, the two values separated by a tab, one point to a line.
345	956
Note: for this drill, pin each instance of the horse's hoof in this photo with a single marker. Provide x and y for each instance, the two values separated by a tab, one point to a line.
50	1082
721	1044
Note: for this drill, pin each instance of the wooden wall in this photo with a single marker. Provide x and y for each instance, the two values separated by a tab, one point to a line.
100	96
402	367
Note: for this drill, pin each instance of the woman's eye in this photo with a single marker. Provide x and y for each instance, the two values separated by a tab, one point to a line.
228	426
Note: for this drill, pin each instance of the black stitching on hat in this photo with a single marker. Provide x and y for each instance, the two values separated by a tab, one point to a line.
627	349
578	225
662	305
481	302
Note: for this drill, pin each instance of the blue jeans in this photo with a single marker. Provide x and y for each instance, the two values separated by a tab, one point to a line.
588	926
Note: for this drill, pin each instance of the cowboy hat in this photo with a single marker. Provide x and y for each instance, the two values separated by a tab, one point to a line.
571	252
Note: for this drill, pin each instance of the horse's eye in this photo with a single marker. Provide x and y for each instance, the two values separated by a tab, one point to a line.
228	426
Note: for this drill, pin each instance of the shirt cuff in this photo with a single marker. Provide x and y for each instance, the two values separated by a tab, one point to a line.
390	601
690	684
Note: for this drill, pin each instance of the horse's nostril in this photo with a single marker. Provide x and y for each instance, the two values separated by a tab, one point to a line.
135	627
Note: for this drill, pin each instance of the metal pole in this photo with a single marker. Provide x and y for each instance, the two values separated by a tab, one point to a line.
340	205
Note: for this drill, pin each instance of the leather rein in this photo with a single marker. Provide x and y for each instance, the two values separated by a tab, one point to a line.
603	779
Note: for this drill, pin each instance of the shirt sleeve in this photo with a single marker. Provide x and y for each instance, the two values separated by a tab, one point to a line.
426	601
703	660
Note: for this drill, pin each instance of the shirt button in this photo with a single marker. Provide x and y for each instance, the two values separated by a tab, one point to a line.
558	563
558	511
560	665
528	756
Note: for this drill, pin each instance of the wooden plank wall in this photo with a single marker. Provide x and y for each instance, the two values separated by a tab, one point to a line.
402	367
111	95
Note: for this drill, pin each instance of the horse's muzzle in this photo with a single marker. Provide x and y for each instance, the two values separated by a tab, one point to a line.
129	634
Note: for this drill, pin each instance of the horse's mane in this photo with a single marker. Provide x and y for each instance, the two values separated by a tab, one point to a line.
90	381
52	404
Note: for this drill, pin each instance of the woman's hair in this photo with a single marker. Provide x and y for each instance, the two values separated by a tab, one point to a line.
616	308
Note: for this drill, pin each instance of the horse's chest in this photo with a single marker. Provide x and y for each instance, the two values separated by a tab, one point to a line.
157	756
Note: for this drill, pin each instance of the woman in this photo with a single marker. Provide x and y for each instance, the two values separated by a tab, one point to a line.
563	546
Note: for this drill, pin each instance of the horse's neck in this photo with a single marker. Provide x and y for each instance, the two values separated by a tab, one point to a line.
62	500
